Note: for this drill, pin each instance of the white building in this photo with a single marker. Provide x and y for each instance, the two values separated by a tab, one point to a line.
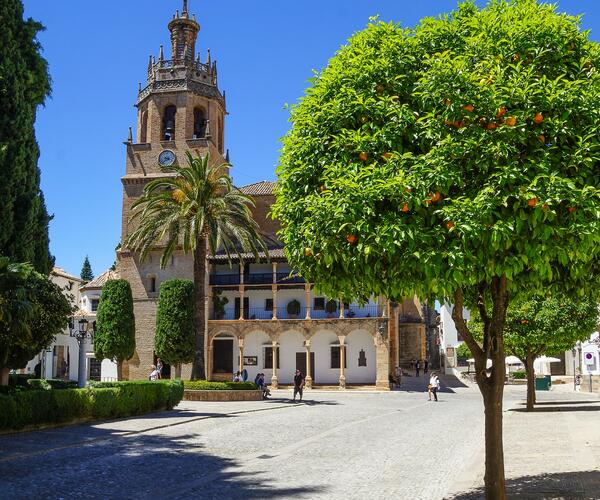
449	336
60	359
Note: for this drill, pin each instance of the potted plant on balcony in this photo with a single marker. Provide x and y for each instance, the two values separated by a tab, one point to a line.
219	304
331	308
293	309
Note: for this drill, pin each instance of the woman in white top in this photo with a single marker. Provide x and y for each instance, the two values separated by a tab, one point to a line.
434	384
154	374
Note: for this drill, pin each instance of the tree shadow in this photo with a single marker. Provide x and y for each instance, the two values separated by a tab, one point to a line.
563	402
547	409
144	465
563	485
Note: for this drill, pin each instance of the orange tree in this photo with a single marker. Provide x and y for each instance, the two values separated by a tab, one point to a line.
456	160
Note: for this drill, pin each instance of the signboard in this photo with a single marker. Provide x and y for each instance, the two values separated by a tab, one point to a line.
589	358
250	360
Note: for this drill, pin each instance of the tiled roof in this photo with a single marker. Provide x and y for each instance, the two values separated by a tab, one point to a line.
100	281
58	271
274	246
259	188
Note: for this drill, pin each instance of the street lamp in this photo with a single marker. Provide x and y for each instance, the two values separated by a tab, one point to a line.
80	330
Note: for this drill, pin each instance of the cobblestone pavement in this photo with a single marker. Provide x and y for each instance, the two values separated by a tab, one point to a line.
355	444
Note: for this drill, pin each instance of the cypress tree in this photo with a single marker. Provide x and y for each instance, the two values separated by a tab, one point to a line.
24	85
87	274
115	324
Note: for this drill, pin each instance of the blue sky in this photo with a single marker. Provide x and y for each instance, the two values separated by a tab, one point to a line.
98	52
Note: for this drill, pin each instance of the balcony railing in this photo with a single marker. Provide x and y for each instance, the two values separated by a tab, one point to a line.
254	313
254	279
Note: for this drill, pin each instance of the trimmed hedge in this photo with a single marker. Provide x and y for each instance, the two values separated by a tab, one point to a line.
518	374
48	384
100	401
205	385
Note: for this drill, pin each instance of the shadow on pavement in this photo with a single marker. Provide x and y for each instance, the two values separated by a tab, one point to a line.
563	402
546	409
140	466
564	485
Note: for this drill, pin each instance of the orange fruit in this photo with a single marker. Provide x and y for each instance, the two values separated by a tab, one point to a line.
532	202
405	208
387	155
469	107
436	196
459	124
363	156
571	209
449	224
501	112
542	138
448	122
491	126
352	239
545	207
511	121
538	118
307	252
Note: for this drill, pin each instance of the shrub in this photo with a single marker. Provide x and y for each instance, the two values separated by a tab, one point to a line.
100	400
47	384
519	374
205	385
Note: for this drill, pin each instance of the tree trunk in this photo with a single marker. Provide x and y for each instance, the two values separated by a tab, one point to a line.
530	381
119	369
198	370
178	370
4	372
491	385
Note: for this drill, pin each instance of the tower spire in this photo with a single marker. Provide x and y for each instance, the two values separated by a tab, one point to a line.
184	10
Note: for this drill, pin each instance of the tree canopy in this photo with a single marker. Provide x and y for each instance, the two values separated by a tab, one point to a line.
33	310
174	341
115	323
24	85
430	159
548	325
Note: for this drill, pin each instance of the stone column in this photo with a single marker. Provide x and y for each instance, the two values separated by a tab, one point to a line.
342	312
241	291
342	364
308	379
209	360
274	379
241	352
274	291
307	292
382	360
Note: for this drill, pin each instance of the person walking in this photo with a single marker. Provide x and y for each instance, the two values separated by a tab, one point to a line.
298	384
434	383
417	367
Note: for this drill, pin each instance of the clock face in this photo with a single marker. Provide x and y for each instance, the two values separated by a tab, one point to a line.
166	158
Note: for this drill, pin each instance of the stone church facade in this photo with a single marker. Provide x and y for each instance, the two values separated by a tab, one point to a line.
263	317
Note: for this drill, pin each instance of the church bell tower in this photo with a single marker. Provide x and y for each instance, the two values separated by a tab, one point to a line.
179	109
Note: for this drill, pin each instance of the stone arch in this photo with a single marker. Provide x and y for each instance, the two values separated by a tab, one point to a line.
200	117
361	357
169	116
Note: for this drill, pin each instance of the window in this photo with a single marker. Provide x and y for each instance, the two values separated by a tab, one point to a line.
152	284
269	359
362	358
319	304
94	303
144	127
169	123
335	356
268	304
199	124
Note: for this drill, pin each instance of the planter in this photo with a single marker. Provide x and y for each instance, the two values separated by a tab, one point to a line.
191	395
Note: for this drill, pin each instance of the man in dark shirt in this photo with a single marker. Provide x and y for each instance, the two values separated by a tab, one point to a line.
298	384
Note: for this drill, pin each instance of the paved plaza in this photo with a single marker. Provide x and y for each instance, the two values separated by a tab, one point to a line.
353	444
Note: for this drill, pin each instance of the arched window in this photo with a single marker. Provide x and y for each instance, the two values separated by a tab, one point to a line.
169	123
199	124
144	126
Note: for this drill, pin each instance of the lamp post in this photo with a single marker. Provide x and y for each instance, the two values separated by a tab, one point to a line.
80	331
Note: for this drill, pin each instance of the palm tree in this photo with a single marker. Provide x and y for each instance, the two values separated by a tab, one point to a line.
196	208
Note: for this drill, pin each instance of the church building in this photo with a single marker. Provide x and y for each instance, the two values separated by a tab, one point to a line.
263	316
